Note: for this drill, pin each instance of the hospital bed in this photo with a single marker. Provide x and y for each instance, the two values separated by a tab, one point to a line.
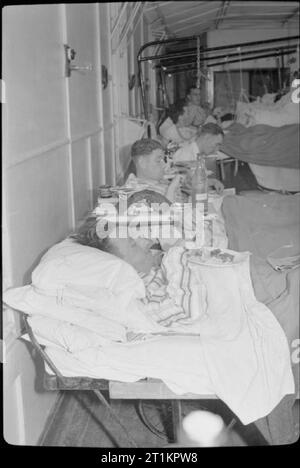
250	226
141	391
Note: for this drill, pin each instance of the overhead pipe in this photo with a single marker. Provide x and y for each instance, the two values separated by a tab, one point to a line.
233	61
291	51
231	54
204	51
140	77
165	41
129	23
205	59
209	49
118	19
192	51
222	15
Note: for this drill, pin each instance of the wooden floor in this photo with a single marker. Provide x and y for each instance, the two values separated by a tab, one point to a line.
82	421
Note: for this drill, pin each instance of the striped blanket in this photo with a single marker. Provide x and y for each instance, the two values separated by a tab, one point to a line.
174	294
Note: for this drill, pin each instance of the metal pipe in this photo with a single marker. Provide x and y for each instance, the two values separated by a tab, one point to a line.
282	69
204	59
142	90
165	41
210	49
250	58
191	54
135	26
233	54
295	12
129	23
234	61
278	71
118	19
246	44
222	15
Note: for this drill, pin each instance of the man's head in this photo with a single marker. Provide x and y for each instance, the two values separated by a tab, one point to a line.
176	110
136	252
209	138
193	96
148	158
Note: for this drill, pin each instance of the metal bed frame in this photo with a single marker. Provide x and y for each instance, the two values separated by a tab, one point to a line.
142	390
183	60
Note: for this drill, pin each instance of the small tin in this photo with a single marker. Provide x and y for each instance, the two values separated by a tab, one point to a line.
104	191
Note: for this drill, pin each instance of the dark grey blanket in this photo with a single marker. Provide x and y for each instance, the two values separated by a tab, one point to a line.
260	223
264	145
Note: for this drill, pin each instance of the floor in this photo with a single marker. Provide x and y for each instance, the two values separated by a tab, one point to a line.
82	421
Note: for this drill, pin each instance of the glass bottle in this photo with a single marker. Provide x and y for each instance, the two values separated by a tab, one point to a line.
200	185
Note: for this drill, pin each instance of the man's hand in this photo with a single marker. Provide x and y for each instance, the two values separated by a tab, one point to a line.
173	187
218	186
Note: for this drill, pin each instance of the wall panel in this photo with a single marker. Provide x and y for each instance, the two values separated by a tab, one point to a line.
107	93
33	67
26	405
38	209
83	85
81	179
59	145
97	168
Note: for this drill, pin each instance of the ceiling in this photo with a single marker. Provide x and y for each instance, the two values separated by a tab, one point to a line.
178	19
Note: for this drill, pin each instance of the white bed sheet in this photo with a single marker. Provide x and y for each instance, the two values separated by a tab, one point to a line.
241	355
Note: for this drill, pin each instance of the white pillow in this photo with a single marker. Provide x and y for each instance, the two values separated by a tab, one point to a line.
85	286
168	131
86	277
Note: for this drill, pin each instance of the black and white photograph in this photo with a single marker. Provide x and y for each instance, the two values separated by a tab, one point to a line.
150	227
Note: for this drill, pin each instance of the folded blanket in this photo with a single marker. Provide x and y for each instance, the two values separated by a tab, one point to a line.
263	145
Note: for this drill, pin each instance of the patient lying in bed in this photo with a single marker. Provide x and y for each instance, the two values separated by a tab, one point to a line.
166	300
137	252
